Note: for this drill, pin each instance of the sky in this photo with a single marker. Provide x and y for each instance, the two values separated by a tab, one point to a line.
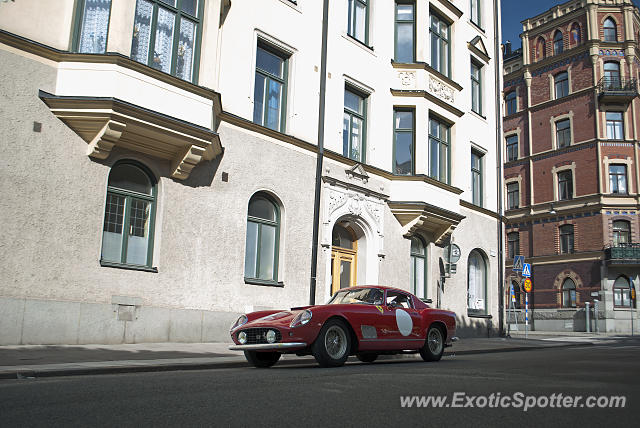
515	11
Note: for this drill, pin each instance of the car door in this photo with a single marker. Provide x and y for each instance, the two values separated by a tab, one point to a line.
401	322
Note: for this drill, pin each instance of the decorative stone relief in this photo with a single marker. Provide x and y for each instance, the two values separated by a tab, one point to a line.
375	210
336	200
441	90
103	143
407	79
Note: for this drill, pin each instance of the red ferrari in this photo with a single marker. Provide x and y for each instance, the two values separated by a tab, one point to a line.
364	321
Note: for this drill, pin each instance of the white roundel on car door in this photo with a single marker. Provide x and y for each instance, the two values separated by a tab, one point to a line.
405	324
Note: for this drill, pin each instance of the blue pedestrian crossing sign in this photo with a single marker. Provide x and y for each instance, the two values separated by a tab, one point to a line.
526	270
518	261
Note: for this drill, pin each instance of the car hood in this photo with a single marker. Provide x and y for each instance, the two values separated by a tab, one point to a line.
282	318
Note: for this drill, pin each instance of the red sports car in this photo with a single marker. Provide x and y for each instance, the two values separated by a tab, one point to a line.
364	321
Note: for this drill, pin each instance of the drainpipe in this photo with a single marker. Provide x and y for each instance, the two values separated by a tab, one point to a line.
316	203
498	101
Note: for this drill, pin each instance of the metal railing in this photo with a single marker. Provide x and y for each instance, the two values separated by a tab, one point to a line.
614	85
623	251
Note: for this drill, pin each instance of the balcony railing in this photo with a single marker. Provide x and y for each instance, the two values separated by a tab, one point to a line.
617	89
627	253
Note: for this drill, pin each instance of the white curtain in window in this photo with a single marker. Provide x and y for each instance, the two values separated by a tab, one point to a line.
476	283
95	23
185	49
164	40
142	31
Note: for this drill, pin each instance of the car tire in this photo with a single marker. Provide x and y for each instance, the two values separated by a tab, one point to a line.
333	344
262	360
367	357
433	345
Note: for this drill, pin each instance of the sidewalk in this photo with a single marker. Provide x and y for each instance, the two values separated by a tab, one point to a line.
66	360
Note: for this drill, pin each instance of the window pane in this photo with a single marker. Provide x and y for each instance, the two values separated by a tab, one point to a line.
346	126
404	119
142	31
189	6
272	64
476	283
259	207
361	14
353	102
419	277
412	274
267	251
356	139
405	12
138	239
95	23
186	45
404	47
251	255
112	230
274	100
444	157
404	153
258	98
345	274
434	155
164	40
130	177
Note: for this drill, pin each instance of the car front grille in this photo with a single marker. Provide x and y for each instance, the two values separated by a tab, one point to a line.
256	336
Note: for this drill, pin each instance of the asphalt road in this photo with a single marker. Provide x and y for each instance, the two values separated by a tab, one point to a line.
354	395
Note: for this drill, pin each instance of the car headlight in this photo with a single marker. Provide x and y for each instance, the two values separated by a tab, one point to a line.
242	319
301	319
271	336
242	337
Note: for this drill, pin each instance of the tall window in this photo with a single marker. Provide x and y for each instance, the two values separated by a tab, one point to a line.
476	178
438	150
566	239
618	178
511	102
94	25
621	292
565	185
403	135
513	196
610	30
614	125
476	88
477	284
558	43
541	49
512	148
127	237
357	20
263	231
166	36
612	75
405	32
562	84
475	12
621	233
270	89
353	127
418	267
513	244
568	293
440	48
563	133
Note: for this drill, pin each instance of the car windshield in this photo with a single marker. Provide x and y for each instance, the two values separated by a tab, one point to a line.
370	296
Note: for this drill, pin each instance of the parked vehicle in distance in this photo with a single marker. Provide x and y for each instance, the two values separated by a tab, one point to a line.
364	321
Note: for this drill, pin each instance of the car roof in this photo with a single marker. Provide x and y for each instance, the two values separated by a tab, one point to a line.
381	287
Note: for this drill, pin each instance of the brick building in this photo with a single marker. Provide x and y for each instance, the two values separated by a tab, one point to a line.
571	166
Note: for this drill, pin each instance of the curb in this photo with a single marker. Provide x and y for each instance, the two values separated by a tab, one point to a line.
237	362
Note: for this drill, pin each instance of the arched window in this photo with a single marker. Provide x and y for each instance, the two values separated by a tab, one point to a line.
541	49
574	37
561	84
558	43
621	292
418	267
610	30
568	293
621	233
612	75
512	102
263	232
477	283
127	237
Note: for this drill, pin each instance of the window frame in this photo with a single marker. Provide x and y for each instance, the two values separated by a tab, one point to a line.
617	125
477	177
618	231
276	248
484	310
284	56
478	12
566	234
511	103
512	143
561	81
558	43
617	181
513	245
396	130
476	81
570	299
363	117
513	196
623	294
563	132
413	29
606	30
415	257
565	180
78	26
351	20
442	144
129	195
179	14
441	41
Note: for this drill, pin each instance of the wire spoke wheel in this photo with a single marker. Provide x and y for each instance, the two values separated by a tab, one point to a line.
435	341
335	342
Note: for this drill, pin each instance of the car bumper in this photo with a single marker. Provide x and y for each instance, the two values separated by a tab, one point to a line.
268	346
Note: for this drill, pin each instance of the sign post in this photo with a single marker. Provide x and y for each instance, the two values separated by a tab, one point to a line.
527	288
632	296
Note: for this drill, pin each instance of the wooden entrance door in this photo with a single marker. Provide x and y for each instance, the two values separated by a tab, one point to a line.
344	253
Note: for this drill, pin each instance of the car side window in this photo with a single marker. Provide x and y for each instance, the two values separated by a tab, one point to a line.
396	299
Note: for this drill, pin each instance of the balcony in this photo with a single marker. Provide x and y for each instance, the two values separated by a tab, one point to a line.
623	254
616	89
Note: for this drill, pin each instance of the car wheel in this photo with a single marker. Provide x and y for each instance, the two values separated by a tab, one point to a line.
434	345
367	357
331	348
262	359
